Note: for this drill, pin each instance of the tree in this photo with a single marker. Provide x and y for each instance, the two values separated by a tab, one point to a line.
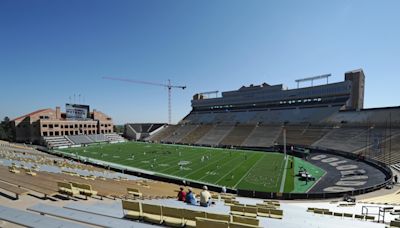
6	130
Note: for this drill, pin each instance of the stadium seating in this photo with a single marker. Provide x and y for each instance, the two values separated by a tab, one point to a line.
263	136
180	133
237	135
132	209
114	137
220	217
390	199
84	189
134	192
79	139
207	223
304	134
152	213
191	215
67	189
66	141
215	135
395	224
250	211
98	138
245	220
237	210
162	134
173	217
345	139
194	136
57	141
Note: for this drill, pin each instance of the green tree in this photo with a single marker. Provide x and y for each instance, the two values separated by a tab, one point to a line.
6	130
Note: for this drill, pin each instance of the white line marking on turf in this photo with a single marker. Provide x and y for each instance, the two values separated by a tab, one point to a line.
245	175
216	182
284	175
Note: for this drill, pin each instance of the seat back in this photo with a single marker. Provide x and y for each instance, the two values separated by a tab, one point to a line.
359	216
74	184
250	209
133	190
241	225
208	223
172	212
216	216
259	205
237	208
394	223
276	212
151	209
264	210
246	220
86	186
131	205
191	215
339	214
64	185
348	215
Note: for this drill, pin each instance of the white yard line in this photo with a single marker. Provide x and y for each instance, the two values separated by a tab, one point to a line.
247	172
230	171
284	175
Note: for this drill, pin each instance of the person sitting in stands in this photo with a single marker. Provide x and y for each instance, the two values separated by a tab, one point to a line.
181	195
205	197
190	197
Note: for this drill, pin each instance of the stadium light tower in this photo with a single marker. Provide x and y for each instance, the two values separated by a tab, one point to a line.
169	86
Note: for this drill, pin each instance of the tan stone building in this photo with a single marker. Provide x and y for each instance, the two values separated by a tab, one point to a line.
32	127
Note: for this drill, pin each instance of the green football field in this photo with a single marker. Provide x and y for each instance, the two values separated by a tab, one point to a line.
250	170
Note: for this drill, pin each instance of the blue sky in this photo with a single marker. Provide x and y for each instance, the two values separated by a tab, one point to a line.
50	50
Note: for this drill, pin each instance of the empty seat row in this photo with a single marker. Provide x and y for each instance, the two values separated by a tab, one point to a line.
258	210
179	217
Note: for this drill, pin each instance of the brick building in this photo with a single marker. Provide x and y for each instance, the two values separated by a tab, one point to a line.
32	127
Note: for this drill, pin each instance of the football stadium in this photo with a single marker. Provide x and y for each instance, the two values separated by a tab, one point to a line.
160	113
268	156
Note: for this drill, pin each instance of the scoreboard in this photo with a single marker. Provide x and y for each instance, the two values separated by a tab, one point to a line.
77	111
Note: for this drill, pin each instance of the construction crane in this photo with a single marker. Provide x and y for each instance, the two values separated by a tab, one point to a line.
169	86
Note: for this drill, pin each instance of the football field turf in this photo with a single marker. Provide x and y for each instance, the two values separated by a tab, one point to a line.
249	170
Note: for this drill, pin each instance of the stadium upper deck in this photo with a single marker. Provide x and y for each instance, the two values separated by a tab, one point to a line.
348	95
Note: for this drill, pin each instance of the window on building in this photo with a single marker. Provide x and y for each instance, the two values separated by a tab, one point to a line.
51	133
45	133
50	125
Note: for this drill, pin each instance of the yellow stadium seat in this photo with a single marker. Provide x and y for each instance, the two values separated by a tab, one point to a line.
190	217
245	220
237	210
173	217
152	213
216	216
133	209
211	223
